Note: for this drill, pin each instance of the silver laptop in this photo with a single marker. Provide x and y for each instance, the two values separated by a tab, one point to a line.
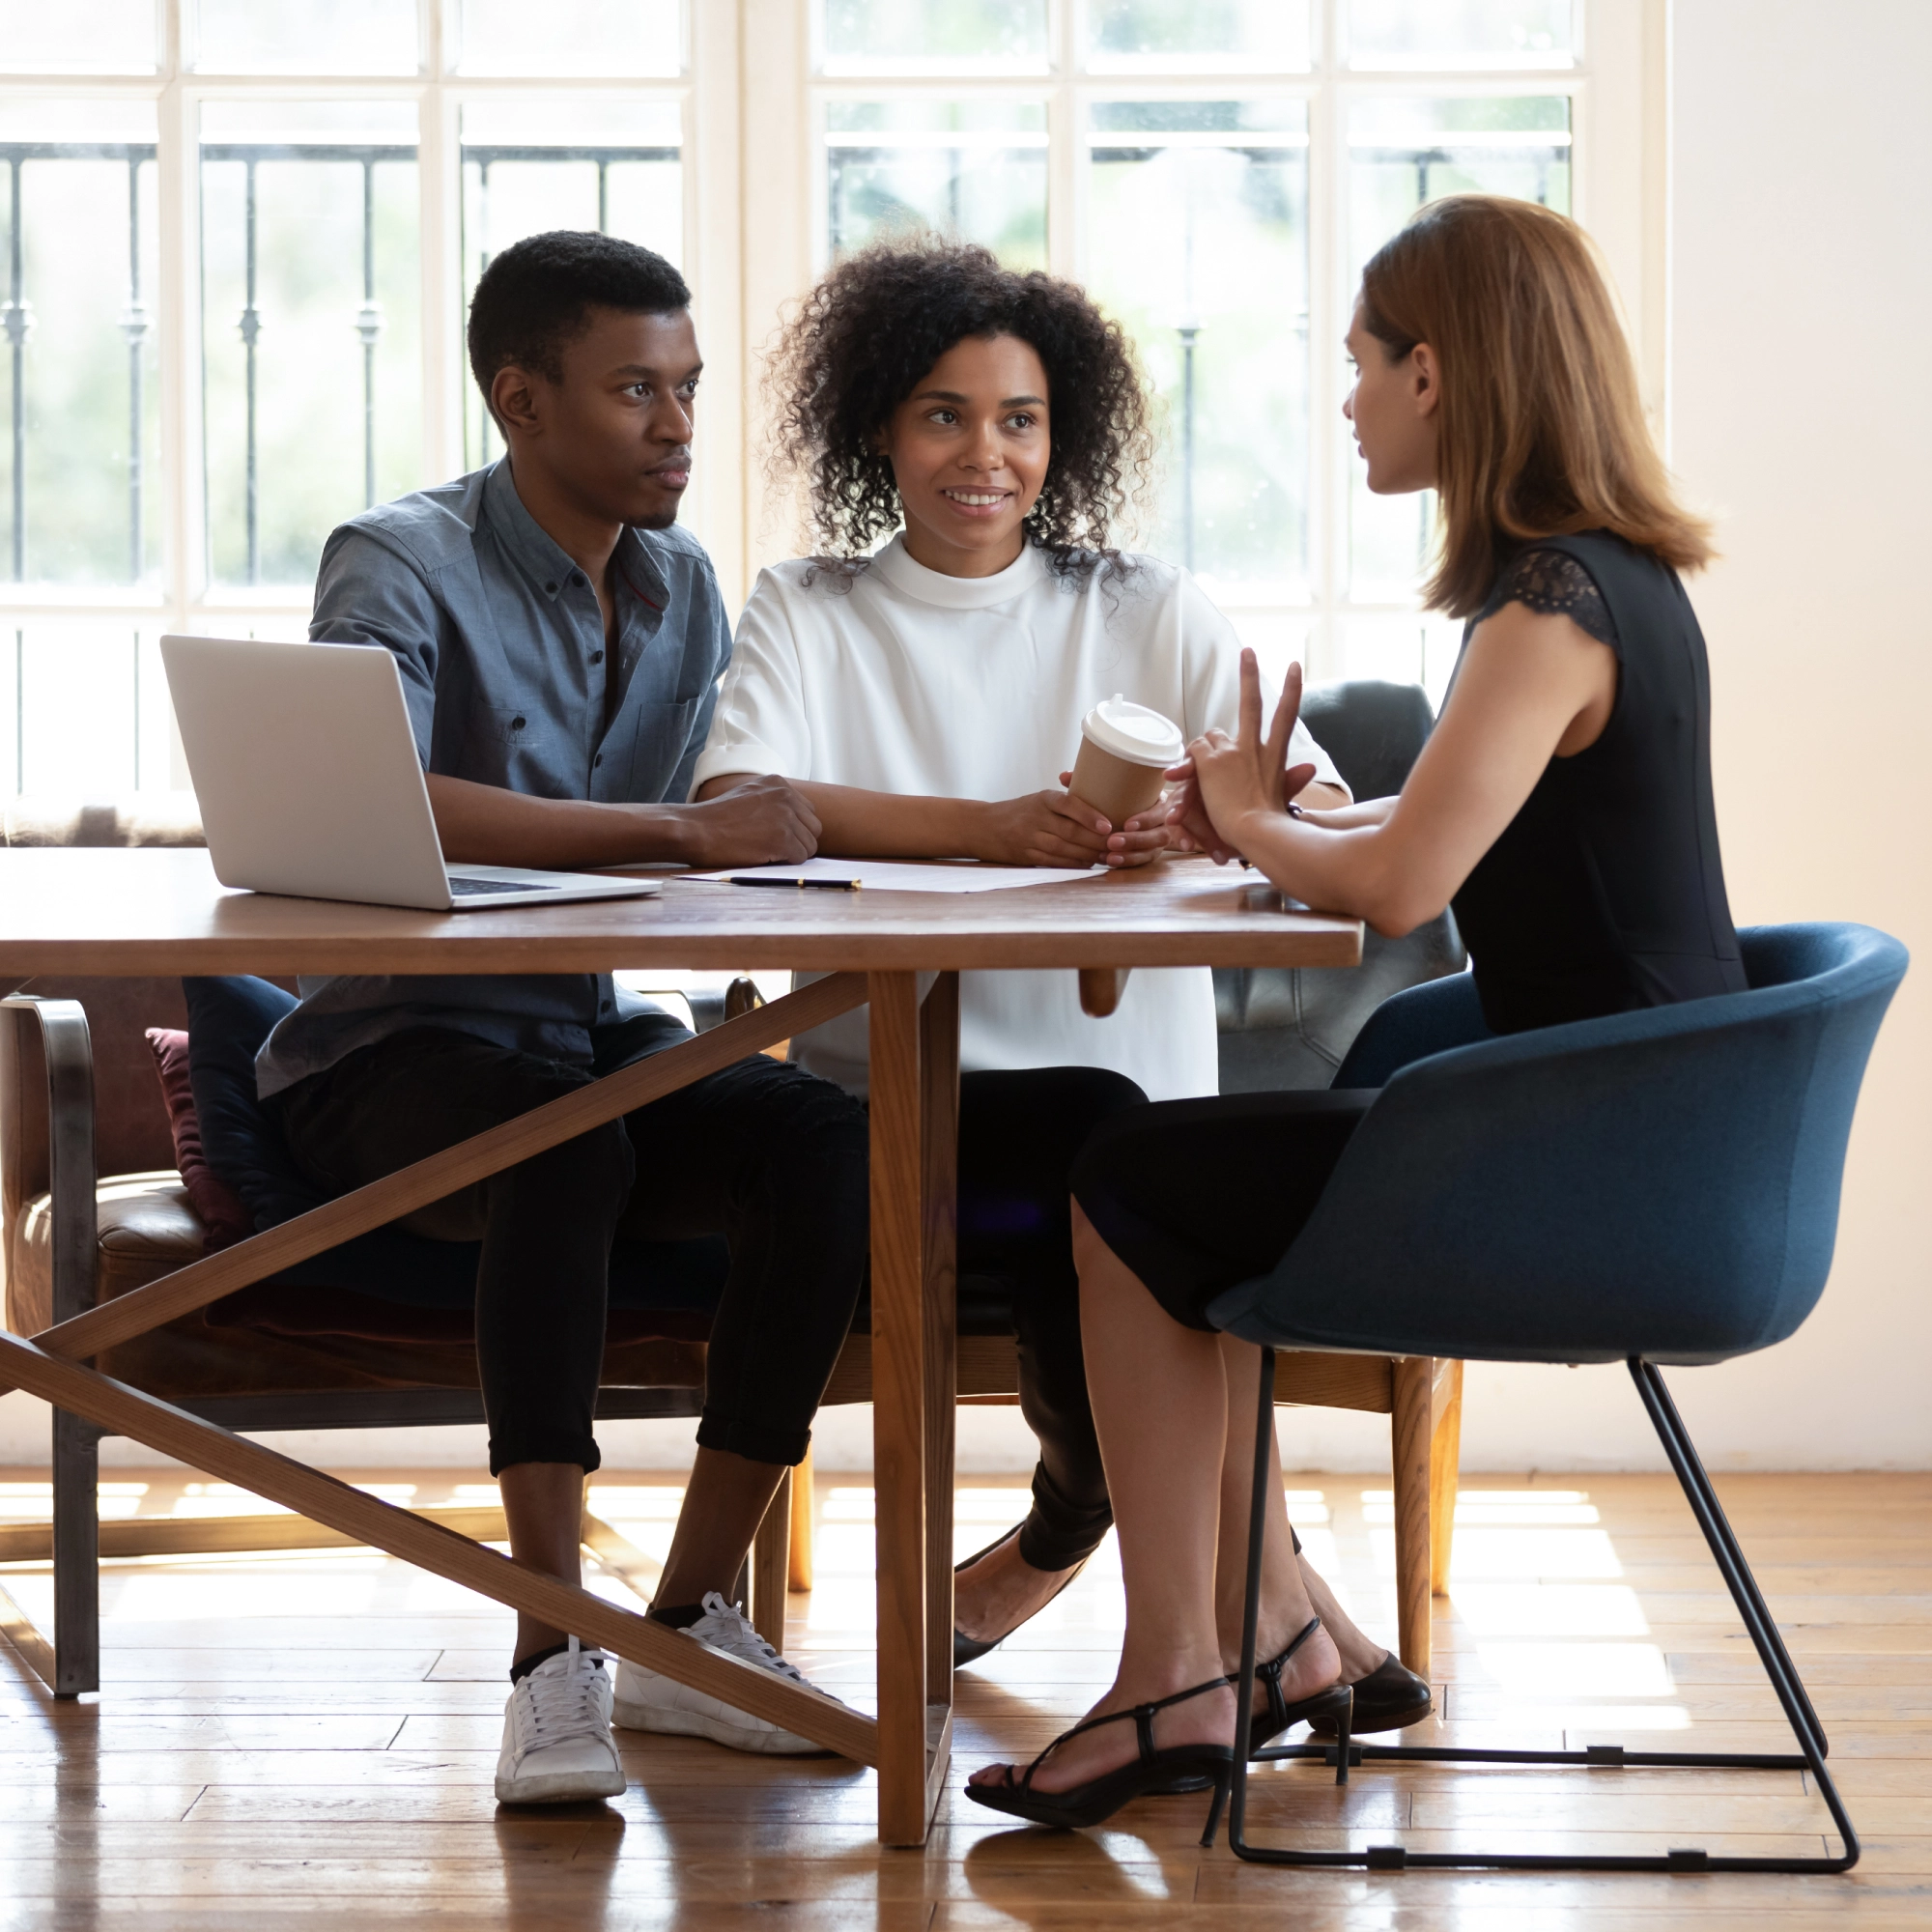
306	773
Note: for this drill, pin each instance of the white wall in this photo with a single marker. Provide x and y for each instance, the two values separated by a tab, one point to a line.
1800	291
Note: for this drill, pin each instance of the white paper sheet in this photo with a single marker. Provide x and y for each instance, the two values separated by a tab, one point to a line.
887	876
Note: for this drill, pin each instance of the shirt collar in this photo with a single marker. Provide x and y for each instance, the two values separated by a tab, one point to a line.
912	579
545	561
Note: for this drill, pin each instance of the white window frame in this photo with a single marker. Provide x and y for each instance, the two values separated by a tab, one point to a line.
184	599
750	99
1616	84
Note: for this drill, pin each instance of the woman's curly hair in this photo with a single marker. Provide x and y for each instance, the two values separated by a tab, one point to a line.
880	320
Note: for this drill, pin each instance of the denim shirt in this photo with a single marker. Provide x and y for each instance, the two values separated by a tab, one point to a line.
500	643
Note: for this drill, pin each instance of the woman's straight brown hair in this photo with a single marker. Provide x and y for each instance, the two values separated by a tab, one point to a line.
1540	430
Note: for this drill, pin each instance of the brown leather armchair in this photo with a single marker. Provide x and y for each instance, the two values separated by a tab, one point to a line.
85	1148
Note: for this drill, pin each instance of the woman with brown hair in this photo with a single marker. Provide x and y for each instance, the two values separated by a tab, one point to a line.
1562	807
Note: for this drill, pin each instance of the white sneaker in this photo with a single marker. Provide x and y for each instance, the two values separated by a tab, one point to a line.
647	1701
558	1747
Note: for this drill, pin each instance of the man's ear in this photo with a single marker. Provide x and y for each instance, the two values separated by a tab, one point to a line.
514	400
1425	378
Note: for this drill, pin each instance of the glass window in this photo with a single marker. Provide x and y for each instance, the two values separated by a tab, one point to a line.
1404	151
102	36
83	708
1460	33
1196	36
310	291
950	37
630	38
972	168
306	36
1198	243
533	163
79	390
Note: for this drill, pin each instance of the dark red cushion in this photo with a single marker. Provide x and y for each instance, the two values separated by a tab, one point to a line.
217	1204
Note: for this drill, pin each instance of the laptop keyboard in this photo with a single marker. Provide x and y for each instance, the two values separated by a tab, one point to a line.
463	888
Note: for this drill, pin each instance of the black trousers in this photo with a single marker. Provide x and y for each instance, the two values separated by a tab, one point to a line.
765	1153
1020	1135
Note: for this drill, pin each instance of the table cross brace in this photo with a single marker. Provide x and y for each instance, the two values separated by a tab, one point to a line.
443	1174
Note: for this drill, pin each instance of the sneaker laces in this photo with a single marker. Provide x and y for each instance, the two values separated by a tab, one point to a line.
726	1628
555	1705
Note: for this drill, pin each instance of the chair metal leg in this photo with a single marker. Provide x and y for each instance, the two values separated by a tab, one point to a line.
1757	1621
1730	1558
76	1470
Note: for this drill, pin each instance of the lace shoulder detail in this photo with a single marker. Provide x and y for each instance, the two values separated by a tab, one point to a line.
1554	583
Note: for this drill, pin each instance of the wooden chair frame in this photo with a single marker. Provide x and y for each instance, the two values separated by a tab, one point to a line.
1422	1397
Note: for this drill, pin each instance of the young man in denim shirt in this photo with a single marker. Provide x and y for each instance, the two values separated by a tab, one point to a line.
560	641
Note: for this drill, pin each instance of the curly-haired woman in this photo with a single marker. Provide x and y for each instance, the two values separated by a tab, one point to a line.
923	695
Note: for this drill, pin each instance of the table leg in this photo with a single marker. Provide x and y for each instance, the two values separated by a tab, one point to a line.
939	1105
906	1052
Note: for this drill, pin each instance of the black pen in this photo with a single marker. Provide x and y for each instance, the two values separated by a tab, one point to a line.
804	885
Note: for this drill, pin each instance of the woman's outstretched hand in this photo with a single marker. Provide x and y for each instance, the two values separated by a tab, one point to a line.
1225	782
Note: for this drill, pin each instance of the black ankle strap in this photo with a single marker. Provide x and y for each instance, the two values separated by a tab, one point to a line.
1142	1716
1270	1674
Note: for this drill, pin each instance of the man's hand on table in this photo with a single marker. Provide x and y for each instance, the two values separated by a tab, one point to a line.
761	821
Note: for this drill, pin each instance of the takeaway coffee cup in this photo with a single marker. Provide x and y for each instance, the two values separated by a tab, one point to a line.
1123	750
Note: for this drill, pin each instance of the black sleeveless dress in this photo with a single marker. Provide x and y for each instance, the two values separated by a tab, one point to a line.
1605	894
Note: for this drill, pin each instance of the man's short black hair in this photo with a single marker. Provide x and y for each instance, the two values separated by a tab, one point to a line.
538	294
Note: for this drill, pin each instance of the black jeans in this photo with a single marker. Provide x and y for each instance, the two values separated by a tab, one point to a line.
1020	1136
765	1153
777	1160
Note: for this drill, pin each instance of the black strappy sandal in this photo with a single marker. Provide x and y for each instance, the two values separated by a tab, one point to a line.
1101	1796
970	1649
1330	1706
1331	1711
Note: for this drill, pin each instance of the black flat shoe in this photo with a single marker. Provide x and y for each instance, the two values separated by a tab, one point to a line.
1323	1712
1099	1797
1390	1697
970	1649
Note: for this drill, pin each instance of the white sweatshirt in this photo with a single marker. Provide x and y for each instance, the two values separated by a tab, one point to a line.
903	680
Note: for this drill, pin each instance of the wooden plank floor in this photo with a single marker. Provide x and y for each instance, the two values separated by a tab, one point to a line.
309	1738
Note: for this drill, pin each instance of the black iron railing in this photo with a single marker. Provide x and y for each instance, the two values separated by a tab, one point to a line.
251	154
16	322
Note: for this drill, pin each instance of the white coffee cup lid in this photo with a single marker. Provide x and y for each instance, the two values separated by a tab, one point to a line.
1133	733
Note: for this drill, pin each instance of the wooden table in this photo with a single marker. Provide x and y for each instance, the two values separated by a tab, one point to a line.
141	913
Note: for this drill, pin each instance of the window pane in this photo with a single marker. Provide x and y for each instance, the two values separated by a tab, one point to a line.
1198	243
1401	153
1460	33
306	36
310	289
1196	36
540	162
975	169
580	36
83	709
102	36
934	36
77	343
1278	639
